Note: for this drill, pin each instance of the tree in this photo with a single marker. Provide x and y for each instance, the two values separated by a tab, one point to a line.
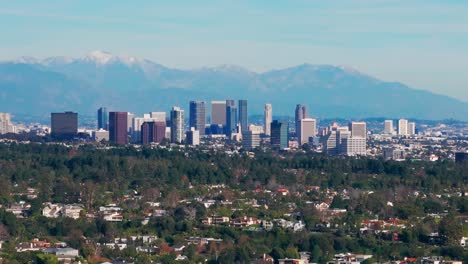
47	259
451	230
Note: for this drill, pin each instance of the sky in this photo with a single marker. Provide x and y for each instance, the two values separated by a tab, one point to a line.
422	43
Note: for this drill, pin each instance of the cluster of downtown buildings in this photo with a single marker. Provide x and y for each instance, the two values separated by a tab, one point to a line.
227	122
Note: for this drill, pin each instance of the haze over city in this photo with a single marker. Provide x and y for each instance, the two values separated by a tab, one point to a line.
420	43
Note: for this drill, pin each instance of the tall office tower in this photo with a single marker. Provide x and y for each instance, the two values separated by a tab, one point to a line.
138	122
279	134
268	118
411	128
158	116
300	113
250	139
218	113
177	125
198	116
64	125
118	127
231	120
330	142
402	127
193	137
307	129
130	117
388	127
230	102
243	115
153	132
5	123
358	129
103	118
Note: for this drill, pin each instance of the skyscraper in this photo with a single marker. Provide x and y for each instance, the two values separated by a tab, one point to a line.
5	123
193	137
158	116
198	116
218	113
300	113
411	128
402	127
64	125
230	102
118	128
103	118
358	129
307	129
243	115
279	134
268	119
388	127
177	125
153	132
231	120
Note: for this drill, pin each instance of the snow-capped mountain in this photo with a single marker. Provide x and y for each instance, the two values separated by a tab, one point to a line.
140	85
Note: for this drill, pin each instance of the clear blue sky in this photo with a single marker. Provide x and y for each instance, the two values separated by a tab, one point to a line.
423	43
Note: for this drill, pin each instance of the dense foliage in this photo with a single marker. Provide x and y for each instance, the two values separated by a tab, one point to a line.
96	177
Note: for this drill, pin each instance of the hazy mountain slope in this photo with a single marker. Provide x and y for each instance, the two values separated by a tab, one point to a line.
131	84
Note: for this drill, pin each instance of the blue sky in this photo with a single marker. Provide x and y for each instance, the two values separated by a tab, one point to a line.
422	43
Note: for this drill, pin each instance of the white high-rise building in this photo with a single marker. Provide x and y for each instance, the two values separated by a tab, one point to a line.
411	128
353	146
388	127
5	123
358	129
256	129
158	116
402	127
307	129
177	125
130	117
268	119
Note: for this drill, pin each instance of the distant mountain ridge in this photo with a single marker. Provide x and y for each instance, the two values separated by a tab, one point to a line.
30	85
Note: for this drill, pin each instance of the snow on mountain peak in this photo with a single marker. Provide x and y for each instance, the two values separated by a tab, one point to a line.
99	57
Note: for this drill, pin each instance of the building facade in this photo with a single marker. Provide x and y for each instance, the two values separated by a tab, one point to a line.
243	115
64	126
307	129
268	118
280	134
250	139
403	127
103	118
358	129
197	118
153	132
5	123
388	127
118	128
177	125
218	113
231	120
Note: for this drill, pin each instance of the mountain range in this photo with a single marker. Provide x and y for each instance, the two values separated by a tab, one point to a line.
30	85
